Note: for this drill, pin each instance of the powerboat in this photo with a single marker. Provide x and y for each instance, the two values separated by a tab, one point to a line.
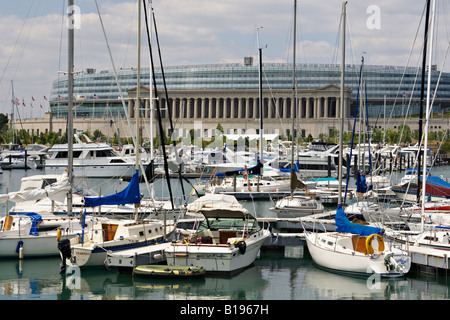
227	240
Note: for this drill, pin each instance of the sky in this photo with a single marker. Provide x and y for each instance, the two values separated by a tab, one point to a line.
33	46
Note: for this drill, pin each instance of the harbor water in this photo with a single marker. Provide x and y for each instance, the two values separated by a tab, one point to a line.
290	275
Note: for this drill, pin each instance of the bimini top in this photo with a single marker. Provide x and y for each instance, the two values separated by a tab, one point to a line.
218	206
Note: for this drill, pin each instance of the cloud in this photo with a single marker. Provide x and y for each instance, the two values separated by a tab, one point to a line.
205	31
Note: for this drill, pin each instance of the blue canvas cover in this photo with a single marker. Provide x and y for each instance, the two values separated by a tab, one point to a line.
128	195
35	219
344	225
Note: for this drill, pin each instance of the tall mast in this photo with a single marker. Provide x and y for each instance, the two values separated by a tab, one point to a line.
70	13
13	103
422	90
341	148
137	107
294	99
261	105
427	116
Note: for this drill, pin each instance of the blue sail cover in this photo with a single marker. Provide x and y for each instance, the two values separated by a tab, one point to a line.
361	184
35	219
128	195
344	225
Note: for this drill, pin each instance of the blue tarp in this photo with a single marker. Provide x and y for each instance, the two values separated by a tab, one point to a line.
344	225
296	168
35	219
129	195
361	185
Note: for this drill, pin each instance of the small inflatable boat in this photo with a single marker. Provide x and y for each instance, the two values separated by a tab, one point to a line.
164	271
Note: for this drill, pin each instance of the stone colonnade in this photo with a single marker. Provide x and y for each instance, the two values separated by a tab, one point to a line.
244	104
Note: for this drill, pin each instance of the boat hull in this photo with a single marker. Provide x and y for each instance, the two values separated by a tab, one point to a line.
351	262
216	259
32	246
95	170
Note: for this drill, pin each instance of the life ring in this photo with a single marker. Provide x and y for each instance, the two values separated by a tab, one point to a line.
369	248
58	235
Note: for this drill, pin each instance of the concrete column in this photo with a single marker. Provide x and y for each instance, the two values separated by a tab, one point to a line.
338	108
202	108
308	109
326	114
130	108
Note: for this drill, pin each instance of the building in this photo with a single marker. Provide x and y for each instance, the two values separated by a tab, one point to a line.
201	96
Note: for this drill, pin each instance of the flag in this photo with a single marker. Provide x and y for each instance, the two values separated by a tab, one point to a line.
17	101
32	98
41	106
95	96
59	97
23	102
45	98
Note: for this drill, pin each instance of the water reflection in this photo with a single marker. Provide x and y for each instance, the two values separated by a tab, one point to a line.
291	276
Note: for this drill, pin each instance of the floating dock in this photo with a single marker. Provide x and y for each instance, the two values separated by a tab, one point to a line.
430	260
126	260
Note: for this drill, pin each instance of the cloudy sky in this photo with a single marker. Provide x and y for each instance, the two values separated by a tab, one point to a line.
34	36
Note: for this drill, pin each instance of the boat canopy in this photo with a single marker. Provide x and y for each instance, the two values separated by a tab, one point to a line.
130	194
437	186
56	191
344	225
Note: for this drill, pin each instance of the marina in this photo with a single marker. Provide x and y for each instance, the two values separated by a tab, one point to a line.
284	261
330	209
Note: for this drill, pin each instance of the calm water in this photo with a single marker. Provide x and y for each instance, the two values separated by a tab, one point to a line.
288	276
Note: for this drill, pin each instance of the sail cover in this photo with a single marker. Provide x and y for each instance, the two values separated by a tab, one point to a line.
128	195
344	225
437	187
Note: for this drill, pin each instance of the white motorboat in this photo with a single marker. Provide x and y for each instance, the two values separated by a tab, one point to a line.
227	240
26	199
91	159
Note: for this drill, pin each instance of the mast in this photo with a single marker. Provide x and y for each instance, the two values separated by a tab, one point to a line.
13	103
70	12
422	90
294	101
427	116
137	107
261	111
342	105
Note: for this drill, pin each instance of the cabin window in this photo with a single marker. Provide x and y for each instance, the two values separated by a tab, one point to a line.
141	233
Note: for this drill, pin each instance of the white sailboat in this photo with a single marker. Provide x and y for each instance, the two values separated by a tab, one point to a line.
354	248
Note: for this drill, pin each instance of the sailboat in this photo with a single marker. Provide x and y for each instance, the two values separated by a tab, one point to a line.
294	206
354	248
37	235
434	236
114	235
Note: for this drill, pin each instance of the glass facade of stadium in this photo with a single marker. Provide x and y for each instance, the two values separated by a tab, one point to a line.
397	88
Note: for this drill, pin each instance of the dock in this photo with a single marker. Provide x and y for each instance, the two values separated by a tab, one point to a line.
430	260
126	260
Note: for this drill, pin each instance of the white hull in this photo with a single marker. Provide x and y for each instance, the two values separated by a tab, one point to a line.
347	260
130	234
94	170
44	245
216	258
